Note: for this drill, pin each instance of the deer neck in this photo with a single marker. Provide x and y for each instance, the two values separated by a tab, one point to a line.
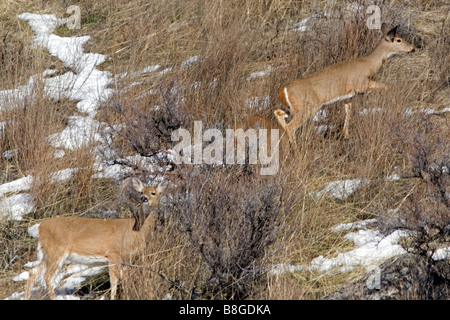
378	56
134	241
148	224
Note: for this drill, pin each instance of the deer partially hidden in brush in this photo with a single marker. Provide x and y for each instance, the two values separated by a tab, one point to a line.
93	242
339	81
260	122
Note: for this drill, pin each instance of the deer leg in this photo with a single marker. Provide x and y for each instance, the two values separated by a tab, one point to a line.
292	126
373	85
115	274
280	115
347	107
114	281
38	270
51	276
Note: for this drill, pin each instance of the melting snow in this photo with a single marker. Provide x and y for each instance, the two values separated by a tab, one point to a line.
341	189
18	185
372	248
15	206
84	83
190	61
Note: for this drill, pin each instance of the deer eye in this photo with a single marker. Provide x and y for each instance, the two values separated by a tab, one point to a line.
399	40
153	193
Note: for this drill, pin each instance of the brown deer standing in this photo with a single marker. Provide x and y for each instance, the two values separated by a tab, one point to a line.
91	242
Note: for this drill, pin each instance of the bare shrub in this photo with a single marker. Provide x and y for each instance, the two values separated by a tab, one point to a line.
145	130
11	245
231	220
428	211
423	141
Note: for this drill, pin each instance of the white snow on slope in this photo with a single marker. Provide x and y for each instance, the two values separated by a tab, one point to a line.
86	84
74	276
15	206
372	248
18	185
341	189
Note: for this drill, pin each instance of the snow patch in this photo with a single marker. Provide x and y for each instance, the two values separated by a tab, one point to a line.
15	206
190	61
372	248
341	189
22	184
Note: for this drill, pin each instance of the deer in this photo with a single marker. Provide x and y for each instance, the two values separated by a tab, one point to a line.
92	242
339	81
261	122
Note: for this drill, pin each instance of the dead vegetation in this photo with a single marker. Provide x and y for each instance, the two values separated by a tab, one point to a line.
222	228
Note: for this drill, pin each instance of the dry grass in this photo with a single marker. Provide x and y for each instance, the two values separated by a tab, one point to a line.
232	39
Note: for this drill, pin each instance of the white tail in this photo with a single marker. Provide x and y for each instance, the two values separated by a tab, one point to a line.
339	81
90	241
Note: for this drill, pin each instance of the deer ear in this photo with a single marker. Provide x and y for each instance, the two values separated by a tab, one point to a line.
384	28
391	34
162	186
137	184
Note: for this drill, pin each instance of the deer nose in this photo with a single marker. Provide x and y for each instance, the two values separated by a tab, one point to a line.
144	199
413	50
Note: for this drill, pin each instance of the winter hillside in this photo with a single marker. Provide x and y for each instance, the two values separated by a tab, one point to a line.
84	107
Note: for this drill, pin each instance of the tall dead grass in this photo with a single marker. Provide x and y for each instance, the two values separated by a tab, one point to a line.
232	39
